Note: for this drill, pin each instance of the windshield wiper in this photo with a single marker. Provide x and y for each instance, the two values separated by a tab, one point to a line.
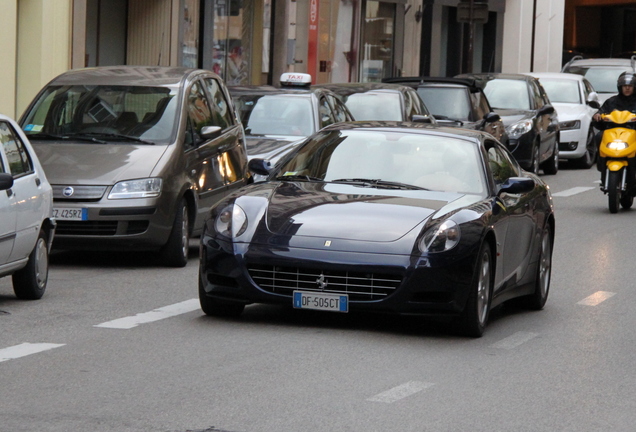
298	177
107	135
46	136
378	183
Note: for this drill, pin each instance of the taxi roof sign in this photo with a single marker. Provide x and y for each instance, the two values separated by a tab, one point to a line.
295	79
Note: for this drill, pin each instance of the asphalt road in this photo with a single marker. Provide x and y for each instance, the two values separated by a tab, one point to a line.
119	344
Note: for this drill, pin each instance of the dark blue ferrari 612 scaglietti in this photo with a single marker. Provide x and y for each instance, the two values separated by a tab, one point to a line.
392	217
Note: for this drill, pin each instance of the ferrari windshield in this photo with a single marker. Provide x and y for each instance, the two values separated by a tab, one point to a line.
374	158
81	111
276	114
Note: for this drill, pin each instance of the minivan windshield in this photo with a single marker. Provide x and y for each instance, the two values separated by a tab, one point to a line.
103	113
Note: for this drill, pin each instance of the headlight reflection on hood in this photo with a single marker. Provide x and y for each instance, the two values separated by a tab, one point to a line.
440	238
231	221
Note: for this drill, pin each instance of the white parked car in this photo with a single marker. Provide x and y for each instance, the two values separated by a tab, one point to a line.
27	226
576	101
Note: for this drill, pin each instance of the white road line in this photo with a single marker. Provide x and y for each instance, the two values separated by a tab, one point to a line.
400	392
514	340
155	315
573	191
25	349
596	298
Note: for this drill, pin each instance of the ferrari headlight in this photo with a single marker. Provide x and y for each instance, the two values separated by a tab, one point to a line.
141	188
440	238
617	145
569	125
231	221
517	129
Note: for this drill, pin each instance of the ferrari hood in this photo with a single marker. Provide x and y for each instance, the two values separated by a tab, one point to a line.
97	164
351	212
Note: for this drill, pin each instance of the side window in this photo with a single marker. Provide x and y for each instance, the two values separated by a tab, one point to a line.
325	113
17	155
199	112
588	87
338	111
221	109
501	166
418	103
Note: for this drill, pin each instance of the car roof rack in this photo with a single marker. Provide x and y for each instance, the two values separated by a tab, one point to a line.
576	57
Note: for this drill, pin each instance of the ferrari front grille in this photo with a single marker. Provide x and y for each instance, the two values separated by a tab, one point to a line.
360	286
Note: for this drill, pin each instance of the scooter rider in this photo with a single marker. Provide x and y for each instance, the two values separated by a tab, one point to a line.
625	100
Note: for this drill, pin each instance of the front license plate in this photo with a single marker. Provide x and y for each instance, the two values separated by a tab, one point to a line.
321	301
78	214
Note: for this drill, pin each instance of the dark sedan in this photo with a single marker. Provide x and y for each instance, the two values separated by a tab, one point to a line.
277	118
392	217
531	121
381	102
456	102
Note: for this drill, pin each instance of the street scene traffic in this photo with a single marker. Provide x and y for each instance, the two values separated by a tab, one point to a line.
197	236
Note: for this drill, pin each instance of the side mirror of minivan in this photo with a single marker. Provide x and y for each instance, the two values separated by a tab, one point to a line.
6	181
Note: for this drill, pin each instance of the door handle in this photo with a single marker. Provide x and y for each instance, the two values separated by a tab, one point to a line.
9	193
37	181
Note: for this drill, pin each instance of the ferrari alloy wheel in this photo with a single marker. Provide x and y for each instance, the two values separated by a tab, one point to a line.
475	315
614	190
29	283
536	300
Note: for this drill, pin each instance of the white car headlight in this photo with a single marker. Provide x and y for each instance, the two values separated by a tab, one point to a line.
517	129
569	125
440	238
617	145
142	188
231	221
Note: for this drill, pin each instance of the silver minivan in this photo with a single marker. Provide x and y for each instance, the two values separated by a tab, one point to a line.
136	155
27	226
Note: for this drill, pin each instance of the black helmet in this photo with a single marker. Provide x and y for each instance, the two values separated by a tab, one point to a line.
626	78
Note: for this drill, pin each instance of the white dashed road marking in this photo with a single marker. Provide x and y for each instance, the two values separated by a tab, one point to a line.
573	191
400	392
596	298
514	340
155	315
25	349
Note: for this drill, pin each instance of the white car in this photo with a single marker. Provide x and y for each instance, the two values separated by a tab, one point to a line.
576	101
601	72
27	226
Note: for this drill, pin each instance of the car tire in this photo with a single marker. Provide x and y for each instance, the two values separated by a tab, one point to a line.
551	166
29	283
175	252
537	300
587	160
216	308
474	318
614	191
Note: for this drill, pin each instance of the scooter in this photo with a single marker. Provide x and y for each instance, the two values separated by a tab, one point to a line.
617	154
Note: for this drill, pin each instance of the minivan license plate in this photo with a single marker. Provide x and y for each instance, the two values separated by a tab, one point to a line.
77	214
321	301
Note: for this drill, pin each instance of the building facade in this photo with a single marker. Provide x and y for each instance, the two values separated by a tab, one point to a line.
254	41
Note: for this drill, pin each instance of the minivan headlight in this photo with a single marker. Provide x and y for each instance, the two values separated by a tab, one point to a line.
141	188
517	129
